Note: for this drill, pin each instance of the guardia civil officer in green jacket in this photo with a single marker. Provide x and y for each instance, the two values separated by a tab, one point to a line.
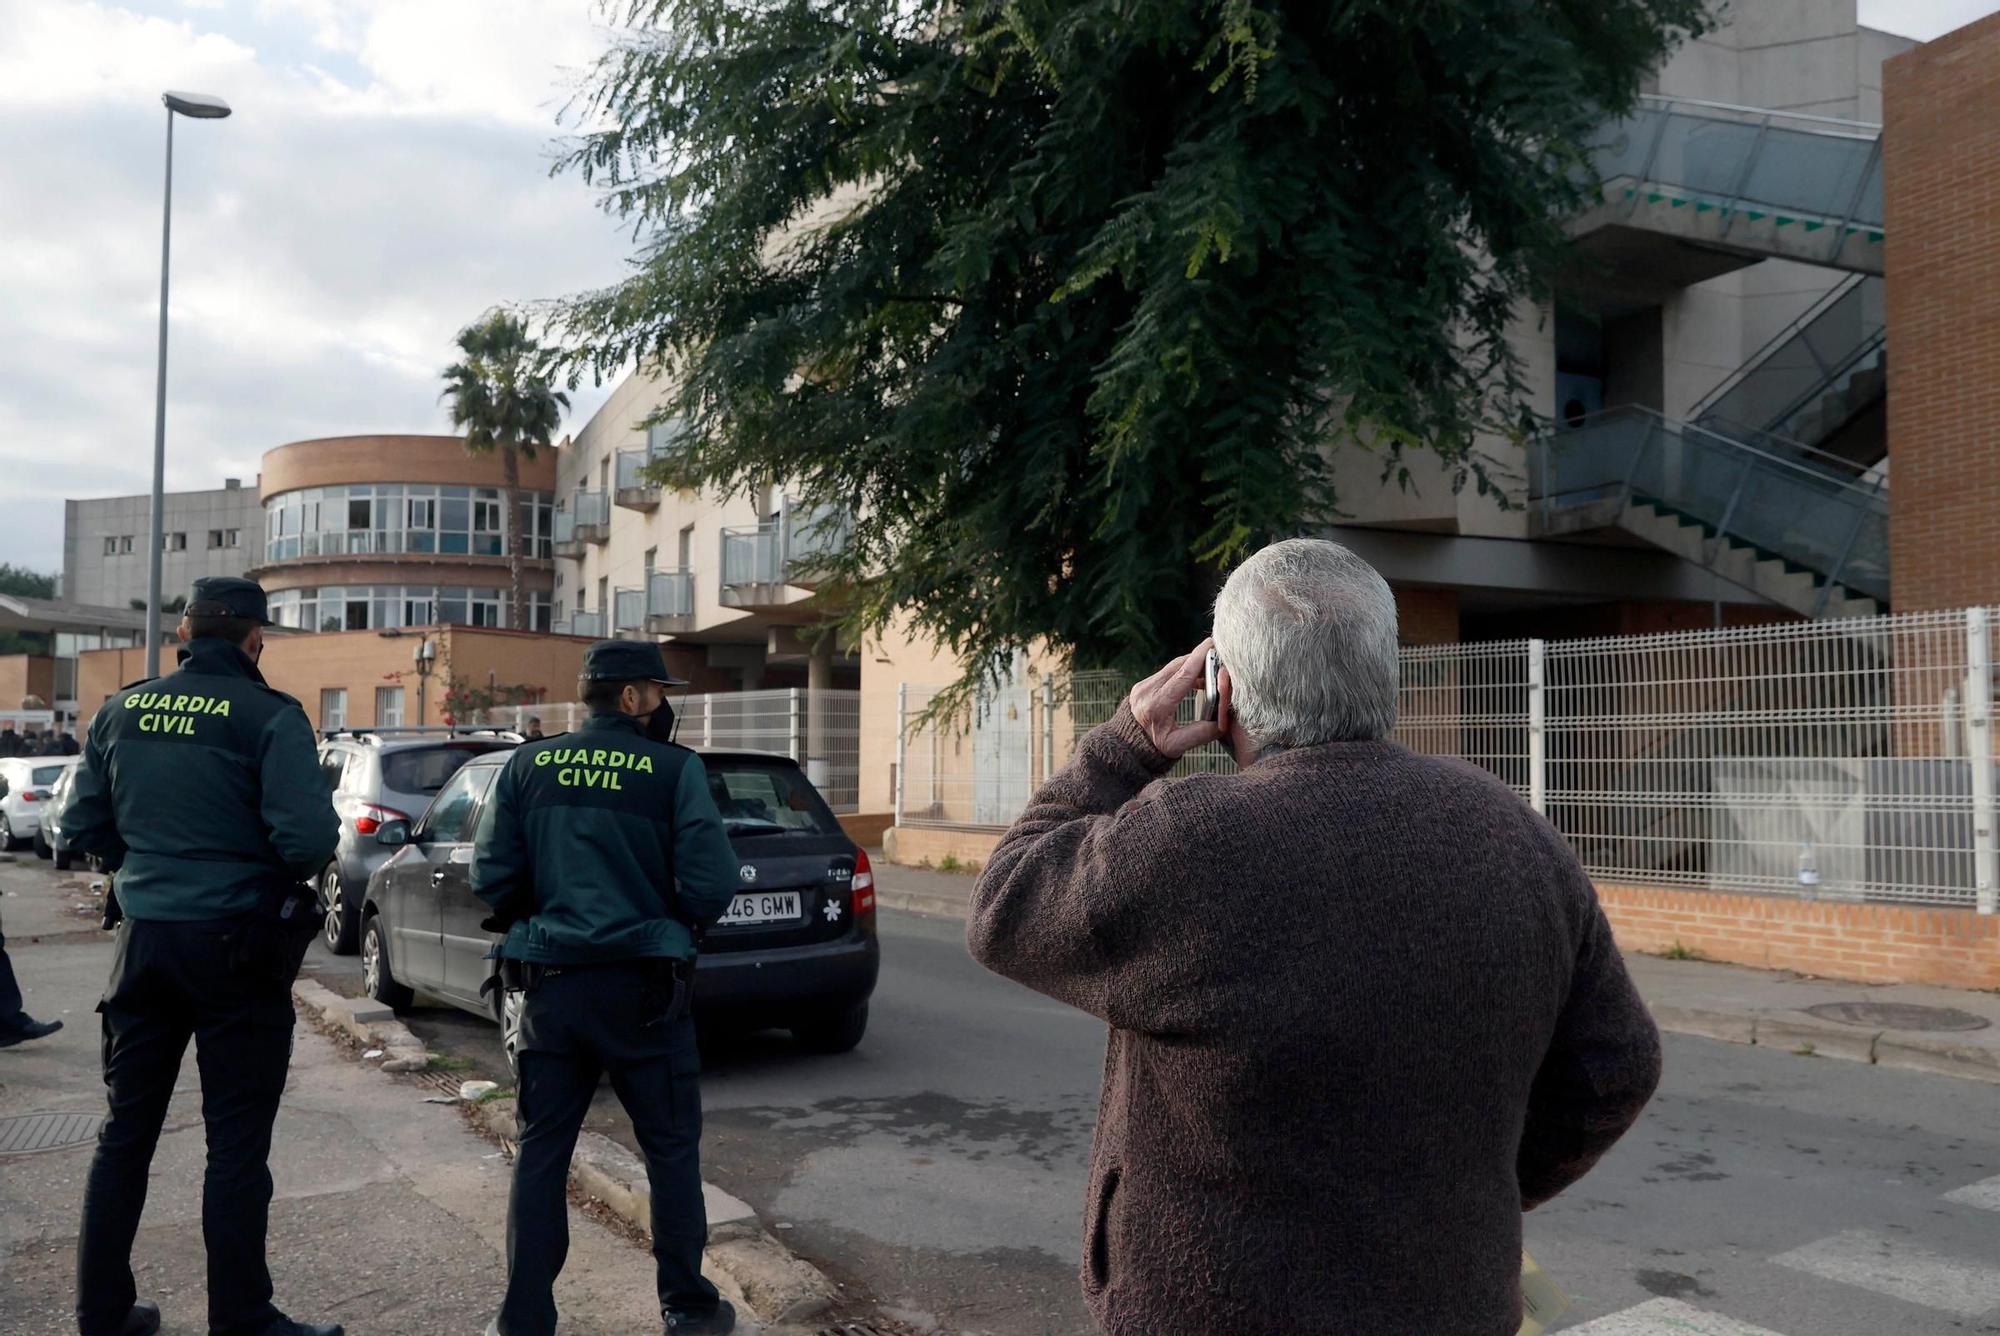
203	789
603	855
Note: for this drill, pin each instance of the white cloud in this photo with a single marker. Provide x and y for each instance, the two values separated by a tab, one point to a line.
383	182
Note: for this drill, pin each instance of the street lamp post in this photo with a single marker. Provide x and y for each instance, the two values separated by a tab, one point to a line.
203	107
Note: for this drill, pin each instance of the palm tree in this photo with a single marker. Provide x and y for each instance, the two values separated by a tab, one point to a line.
502	400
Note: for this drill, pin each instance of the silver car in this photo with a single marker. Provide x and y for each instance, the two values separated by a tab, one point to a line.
380	776
25	785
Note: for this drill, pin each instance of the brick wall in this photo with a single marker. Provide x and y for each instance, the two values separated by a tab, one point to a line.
1427	616
1872	943
1941	176
24	675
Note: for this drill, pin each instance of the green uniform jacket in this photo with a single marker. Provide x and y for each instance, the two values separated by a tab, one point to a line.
585	838
203	788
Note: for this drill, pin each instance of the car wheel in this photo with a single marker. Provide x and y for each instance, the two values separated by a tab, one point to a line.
343	919
507	1010
7	841
376	980
63	859
837	1033
42	849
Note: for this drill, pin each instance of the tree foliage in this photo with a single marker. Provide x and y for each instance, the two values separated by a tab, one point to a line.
21	581
502	400
1069	300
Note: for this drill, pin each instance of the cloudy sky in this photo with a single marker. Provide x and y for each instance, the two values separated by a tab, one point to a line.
383	181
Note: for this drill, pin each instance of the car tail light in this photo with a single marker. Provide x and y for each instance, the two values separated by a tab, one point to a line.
863	883
30	795
373	818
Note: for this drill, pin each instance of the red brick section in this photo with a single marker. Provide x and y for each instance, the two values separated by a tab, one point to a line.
1941	176
1873	943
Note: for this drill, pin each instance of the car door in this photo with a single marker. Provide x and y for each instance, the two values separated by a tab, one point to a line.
417	944
465	942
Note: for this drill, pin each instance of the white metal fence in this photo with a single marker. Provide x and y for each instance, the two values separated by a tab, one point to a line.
821	730
1847	759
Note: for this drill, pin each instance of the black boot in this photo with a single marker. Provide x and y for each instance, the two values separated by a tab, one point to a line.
27	1028
718	1322
284	1326
143	1320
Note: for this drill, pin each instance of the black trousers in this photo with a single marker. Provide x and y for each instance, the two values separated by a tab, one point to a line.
576	1025
171	982
10	991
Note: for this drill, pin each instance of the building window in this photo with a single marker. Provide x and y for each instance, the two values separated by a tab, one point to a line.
333	708
214	538
388	707
110	545
232	538
177	542
385	607
401	517
125	545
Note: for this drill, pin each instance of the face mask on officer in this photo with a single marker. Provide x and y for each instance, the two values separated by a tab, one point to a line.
647	702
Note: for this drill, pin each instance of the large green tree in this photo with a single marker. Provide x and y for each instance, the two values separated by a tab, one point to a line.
502	400
1068	301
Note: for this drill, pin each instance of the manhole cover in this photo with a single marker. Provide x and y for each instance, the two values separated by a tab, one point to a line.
26	1133
1898	1016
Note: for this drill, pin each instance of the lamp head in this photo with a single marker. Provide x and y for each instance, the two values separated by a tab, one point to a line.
201	106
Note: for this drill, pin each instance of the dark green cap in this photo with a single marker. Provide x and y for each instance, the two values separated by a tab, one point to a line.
229	596
628	661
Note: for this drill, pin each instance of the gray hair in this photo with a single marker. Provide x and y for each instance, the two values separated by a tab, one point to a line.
1307	631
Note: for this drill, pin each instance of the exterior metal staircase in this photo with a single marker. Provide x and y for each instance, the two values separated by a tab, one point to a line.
1794	525
1748	180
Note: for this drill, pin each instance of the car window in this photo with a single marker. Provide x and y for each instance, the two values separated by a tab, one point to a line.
46	775
765	798
331	762
425	769
445	822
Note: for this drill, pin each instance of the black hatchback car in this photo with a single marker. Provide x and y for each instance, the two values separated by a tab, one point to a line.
797	948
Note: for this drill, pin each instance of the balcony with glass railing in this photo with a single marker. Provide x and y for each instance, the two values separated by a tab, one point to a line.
669	601
628	611
634	492
760	560
586	519
590	624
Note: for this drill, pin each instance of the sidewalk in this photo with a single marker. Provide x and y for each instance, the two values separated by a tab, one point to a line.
389	1215
1886	1024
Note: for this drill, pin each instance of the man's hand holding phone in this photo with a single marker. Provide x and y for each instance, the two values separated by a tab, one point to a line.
1156	702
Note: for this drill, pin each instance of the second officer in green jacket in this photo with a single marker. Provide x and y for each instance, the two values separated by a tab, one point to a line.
603	856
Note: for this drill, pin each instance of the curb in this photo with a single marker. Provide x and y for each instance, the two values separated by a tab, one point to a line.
1813	1039
367	1021
919	902
777	1286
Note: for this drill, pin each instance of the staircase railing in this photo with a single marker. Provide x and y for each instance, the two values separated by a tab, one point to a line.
1817	171
1801	509
1779	397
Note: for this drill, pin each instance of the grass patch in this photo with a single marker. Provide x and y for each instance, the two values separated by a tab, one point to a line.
444	1062
952	864
1679	952
504	1092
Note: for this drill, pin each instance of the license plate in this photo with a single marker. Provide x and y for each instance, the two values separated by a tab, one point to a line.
763	907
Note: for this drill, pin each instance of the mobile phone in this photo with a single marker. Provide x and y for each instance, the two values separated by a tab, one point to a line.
1211	699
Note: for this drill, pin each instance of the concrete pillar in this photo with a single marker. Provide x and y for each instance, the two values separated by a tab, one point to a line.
819	681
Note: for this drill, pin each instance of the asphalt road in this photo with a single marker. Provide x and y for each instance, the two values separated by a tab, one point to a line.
940	1167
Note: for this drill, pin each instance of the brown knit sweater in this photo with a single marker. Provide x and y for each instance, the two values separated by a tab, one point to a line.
1364	1009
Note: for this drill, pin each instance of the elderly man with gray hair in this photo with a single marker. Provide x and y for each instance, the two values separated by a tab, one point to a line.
1364	1006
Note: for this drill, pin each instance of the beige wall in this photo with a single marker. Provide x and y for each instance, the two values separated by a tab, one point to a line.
23	675
393	458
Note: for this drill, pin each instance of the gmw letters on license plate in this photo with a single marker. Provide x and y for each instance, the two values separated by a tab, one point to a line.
763	907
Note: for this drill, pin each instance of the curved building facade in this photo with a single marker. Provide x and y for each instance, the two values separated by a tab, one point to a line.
377	532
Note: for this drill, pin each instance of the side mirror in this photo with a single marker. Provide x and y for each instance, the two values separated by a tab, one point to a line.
394	834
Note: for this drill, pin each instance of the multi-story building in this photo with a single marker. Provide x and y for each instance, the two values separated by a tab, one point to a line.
202	533
732	576
374	532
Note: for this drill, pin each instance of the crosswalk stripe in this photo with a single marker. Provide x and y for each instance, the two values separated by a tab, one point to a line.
1666	1317
1899	1270
1985	1194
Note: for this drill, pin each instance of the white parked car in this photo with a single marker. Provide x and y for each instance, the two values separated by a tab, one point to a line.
26	783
